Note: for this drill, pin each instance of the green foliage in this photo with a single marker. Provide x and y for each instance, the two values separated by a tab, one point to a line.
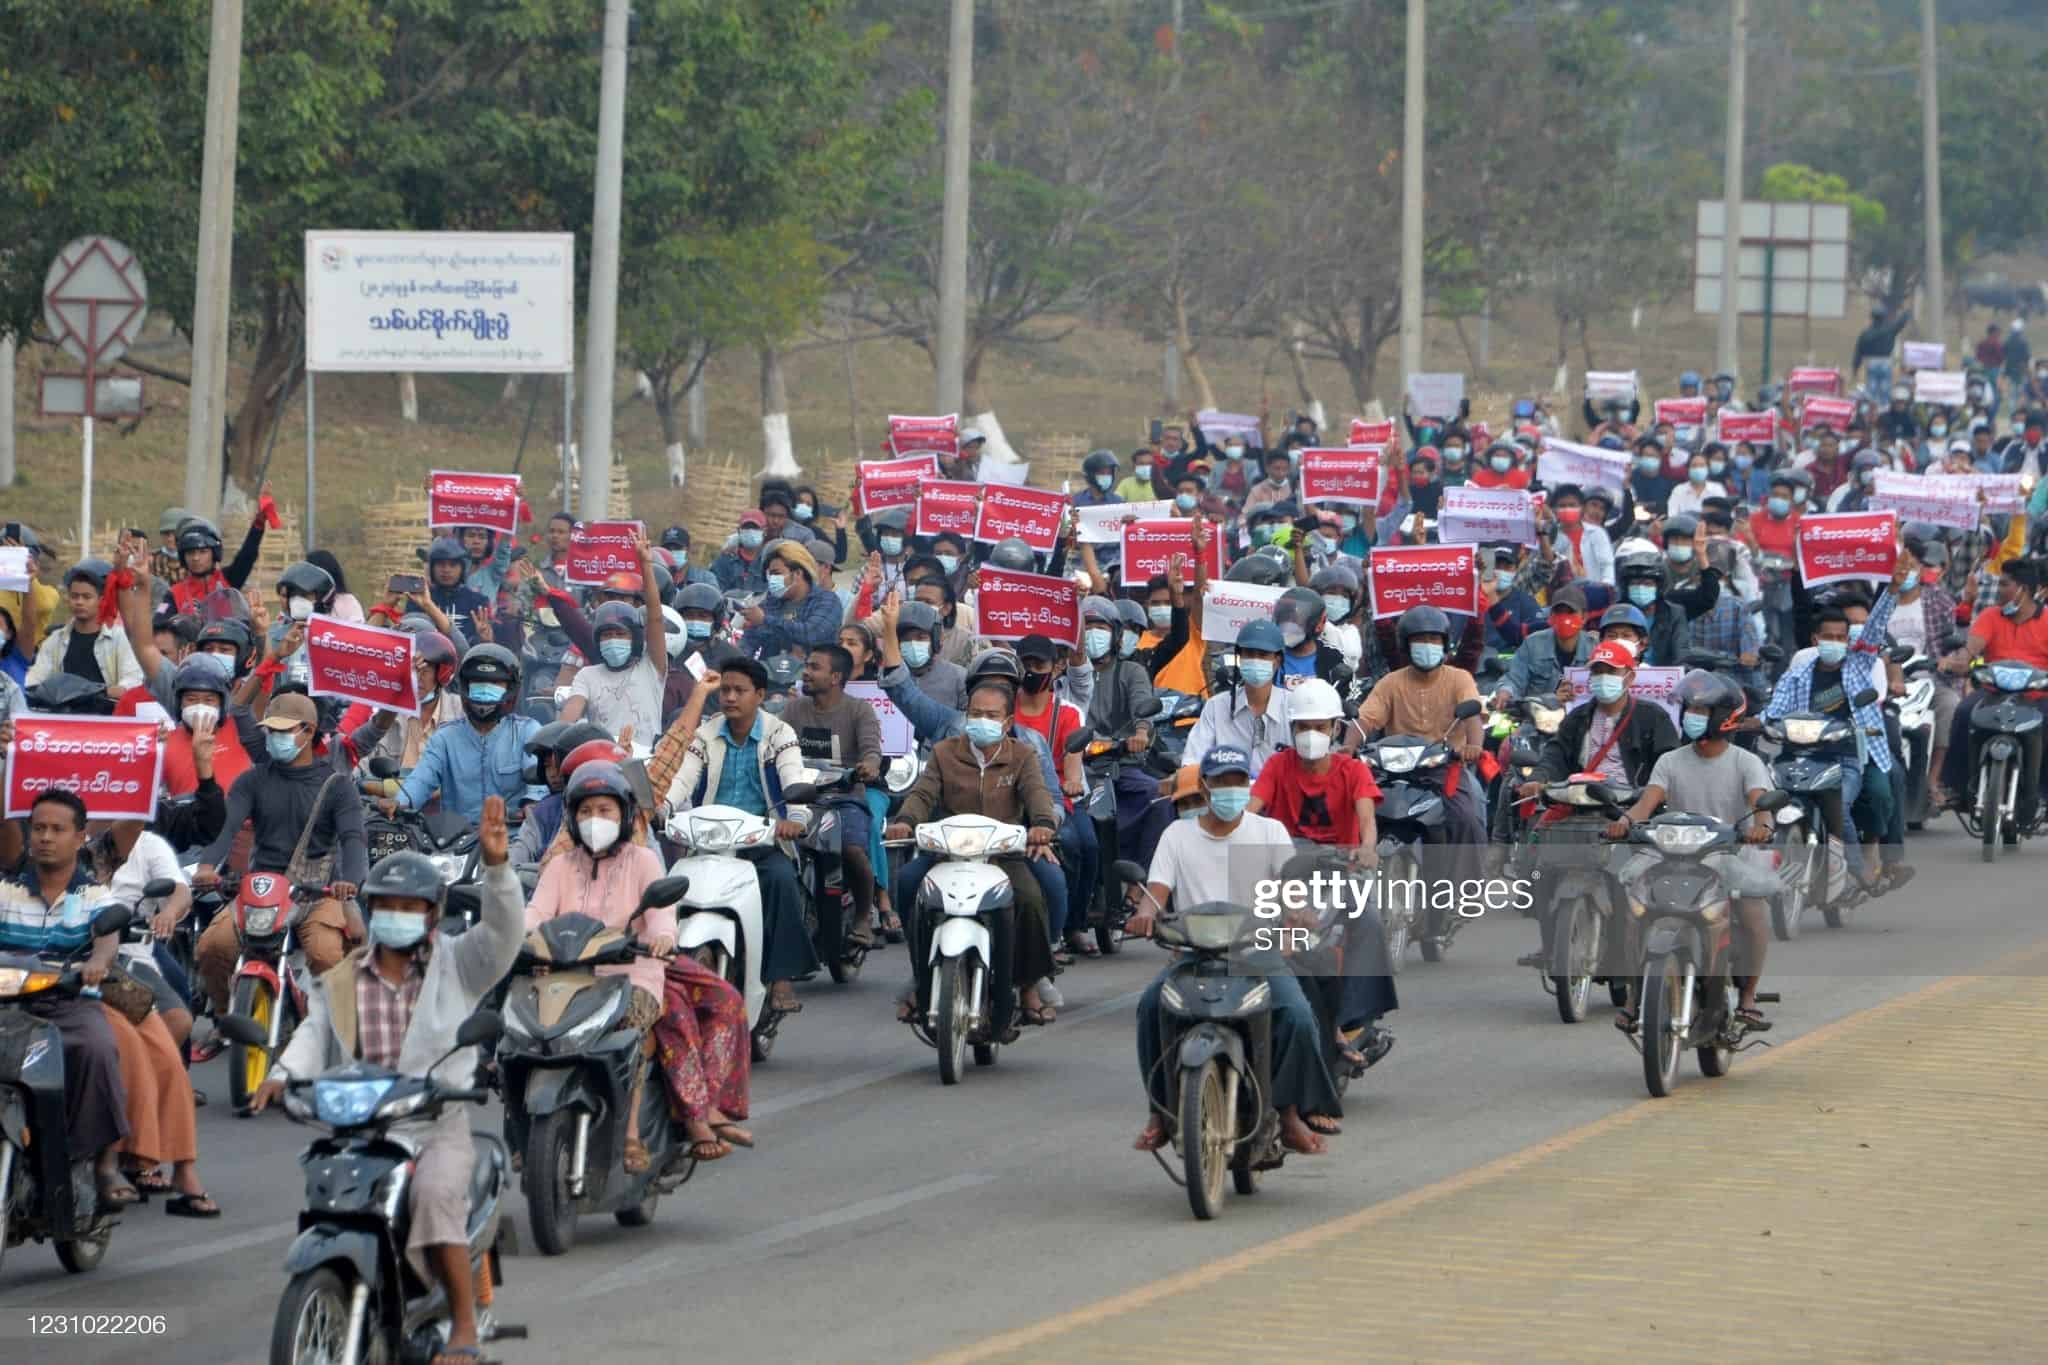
1790	182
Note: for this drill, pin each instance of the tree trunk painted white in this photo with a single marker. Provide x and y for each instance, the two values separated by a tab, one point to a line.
778	455
698	428
643	384
408	398
677	470
511	389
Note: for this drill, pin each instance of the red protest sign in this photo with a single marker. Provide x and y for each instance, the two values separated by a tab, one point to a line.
599	548
1839	545
1681	412
1010	606
922	435
1351	476
1833	413
1440	576
1364	433
1812	379
947	506
1760	428
361	663
1149	546
891	483
458	499
1030	514
114	763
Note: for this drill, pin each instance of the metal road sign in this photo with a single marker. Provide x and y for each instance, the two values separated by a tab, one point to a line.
95	300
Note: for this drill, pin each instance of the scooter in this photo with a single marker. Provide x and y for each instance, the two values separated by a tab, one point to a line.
567	1061
1997	725
1172	724
1915	713
829	904
1409	811
966	913
352	1295
1104	758
47	1192
1591	931
1812	869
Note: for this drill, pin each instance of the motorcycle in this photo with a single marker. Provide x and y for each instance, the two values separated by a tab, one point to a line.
352	1295
1516	736
829	905
1172	723
1997	725
1104	758
1409	811
1915	714
270	975
47	1192
1591	933
967	914
567	1061
1687	993
1812	870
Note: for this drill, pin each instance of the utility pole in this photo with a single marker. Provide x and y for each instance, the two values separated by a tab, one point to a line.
1930	151
206	418
602	328
1411	194
1728	351
952	348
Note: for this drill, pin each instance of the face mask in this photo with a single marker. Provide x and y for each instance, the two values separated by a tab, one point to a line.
1194	814
1348	522
1105	481
1866	477
1227	803
917	653
1855	632
778	584
891	545
1255	672
803	511
982	732
697	630
1832	652
1607	687
1680	554
281	747
1277	479
1162	617
1335	607
1779	507
1930	576
1745	462
486	694
750	538
1694	725
1233	452
1425	656
1262	535
1568	516
1567	625
1501	463
1454	454
396	928
195	716
1097	643
1647	464
1504	579
1938	430
1185	501
599	833
1421	475
2011	608
1715	468
1311	744
1642	594
615	653
1128	646
301	608
1697	474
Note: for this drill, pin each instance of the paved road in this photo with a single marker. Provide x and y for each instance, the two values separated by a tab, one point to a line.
884	1218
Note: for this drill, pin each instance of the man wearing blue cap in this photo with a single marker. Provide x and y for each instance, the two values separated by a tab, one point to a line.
1253	716
1224	853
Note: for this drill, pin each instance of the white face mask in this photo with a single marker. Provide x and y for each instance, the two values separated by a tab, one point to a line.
300	607
195	716
598	833
1312	744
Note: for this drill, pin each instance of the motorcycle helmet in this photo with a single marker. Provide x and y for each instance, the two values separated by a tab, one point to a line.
1101	462
603	750
1722	700
1689	383
446	550
622	583
674	634
1632	566
916	615
1925	544
1133	616
1420	621
594	778
1625	614
406	875
704	597
1314	699
309	580
784	672
231	632
997	665
619	616
1013	554
201	673
1299	614
431	646
197	533
1095	607
489	665
1260	568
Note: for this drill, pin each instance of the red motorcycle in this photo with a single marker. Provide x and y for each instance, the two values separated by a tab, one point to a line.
270	975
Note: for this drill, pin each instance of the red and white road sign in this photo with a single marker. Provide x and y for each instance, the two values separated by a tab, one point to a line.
95	300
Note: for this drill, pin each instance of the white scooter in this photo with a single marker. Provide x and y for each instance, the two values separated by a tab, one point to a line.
966	911
719	921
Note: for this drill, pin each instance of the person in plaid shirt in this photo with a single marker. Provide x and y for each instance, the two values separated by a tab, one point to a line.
1731	628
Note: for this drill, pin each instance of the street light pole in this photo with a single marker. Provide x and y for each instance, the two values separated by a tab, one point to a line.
602	330
206	418
1411	193
952	345
1728	351
1930	151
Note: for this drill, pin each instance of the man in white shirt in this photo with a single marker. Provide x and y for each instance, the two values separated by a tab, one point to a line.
1253	716
1226	854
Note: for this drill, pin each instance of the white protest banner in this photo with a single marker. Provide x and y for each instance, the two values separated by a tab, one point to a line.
452	302
897	736
1619	385
14	572
1485	516
1228	607
1436	395
1104	525
1563	461
2004	494
1004	471
1658	686
1945	387
1949	501
1217	425
1925	355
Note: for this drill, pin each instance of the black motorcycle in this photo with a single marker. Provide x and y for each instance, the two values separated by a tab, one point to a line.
1999	727
1810	866
1411	815
829	904
1104	758
1172	723
352	1294
47	1192
1590	930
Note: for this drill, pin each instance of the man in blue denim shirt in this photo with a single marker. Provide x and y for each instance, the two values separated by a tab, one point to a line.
798	615
484	753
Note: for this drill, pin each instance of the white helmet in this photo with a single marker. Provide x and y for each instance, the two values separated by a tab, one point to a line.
1314	699
674	633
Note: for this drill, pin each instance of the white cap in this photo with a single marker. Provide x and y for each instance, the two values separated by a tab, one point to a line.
1959	444
968	434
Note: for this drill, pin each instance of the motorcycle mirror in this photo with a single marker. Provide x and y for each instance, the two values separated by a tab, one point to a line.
1148	708
1467	709
158	887
383	767
664	891
111	920
240	1028
1775	799
1866	696
1128	870
482	1027
800	793
1772	654
1080	739
1898	654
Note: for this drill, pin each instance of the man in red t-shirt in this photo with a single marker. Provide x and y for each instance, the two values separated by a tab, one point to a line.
2013	631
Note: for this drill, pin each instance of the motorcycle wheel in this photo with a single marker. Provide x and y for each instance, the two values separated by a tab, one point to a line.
1244	1177
550	1152
1991	806
1716	1058
81	1254
249	1067
641	1214
843	970
1796	849
1398	921
985	1054
1663	984
954	1021
1109	938
1436	939
1204	1138
761	1046
1584	928
312	1319
1617	991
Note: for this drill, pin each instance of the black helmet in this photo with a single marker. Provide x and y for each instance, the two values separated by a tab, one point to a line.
1597	493
544	739
1924	543
1792	478
1866	459
1722	700
67	694
306	579
1299	614
229	631
406	874
447	550
200	673
598	778
1262	569
619	616
998	664
578	733
1635	566
197	533
1683	526
676	538
1336	578
784	671
892	519
490	664
1013	554
917	615
93	571
1100	462
1421	621
704	597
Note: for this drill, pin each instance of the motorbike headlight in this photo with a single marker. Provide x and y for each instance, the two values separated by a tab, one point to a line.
902	773
403	1106
1402	758
343	1104
1546	718
600	1021
2011	677
449	865
19	981
1211	932
1171	997
261	919
1787	815
708	834
1681	838
1805	730
1255	999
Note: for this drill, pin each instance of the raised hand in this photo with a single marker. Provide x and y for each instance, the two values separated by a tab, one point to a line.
493	840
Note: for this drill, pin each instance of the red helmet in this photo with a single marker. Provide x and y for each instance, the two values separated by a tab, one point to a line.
431	646
598	750
622	581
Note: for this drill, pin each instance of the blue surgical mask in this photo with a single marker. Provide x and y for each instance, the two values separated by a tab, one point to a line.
281	745
1694	725
1185	501
1227	803
1698	473
1744	462
2011	608
1105	481
1096	642
982	732
615	653
1647	464
1855	632
1679	554
396	928
950	563
1194	814
778	584
1233	452
485	694
917	653
697	630
1504	579
1348	522
1717	467
1335	607
1779	507
803	511
1454	454
891	545
1607	687
1255	672
1128	645
1425	655
750	538
1501	463
1160	617
1642	594
1832	652
1262	535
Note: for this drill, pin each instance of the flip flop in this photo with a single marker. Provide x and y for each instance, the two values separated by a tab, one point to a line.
734	1134
1151	1140
1036	1018
709	1149
634	1159
188	1206
148	1183
1082	947
1324	1124
116	1193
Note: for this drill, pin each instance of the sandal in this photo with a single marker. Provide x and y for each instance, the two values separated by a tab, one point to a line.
635	1159
1152	1138
785	1003
1082	947
1324	1124
459	1355
1062	957
116	1193
148	1183
734	1134
199	1205
1036	1016
892	926
1753	1020
709	1149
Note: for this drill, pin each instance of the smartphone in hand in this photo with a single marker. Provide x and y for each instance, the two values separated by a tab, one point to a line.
405	584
